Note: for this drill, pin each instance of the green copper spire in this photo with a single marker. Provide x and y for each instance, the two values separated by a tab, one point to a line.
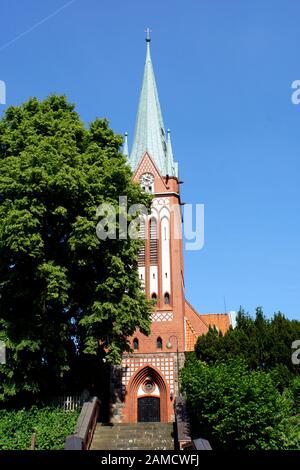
125	145
172	166
150	135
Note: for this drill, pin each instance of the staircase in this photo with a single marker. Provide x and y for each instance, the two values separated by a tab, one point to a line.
139	436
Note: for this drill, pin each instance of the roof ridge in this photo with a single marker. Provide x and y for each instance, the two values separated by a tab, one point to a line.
198	314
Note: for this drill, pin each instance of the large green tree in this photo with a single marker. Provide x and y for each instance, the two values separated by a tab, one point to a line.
236	408
62	290
263	343
243	386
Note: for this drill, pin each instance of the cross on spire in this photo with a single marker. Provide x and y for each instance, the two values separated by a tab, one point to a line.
148	32
150	135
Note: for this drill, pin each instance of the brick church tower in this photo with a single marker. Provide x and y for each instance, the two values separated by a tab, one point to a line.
145	386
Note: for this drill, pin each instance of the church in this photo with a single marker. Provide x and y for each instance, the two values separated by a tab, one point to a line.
144	388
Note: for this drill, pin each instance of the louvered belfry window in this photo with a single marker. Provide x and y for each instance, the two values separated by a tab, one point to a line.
142	252
153	242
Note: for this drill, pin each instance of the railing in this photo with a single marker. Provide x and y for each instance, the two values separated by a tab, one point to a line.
182	422
70	402
184	439
201	444
86	424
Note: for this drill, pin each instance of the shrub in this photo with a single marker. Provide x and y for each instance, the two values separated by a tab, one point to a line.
51	425
234	407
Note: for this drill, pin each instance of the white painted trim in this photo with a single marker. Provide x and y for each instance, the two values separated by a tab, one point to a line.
165	256
153	281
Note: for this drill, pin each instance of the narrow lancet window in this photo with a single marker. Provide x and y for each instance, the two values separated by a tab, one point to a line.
153	242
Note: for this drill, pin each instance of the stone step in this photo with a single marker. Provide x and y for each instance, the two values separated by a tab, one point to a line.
139	436
132	433
160	438
135	426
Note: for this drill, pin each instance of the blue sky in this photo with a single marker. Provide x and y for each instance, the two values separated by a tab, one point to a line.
224	72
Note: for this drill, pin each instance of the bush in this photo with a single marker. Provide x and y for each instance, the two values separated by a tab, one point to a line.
51	425
262	343
236	408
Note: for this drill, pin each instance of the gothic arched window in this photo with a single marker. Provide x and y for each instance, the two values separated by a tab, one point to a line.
159	343
154	298
135	344
142	236
167	298
153	241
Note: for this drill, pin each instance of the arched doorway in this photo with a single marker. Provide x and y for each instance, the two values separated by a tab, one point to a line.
147	396
148	409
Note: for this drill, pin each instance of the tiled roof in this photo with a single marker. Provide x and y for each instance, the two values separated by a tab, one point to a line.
220	320
194	326
198	324
190	336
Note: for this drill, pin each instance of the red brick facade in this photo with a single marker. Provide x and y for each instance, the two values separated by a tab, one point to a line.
176	322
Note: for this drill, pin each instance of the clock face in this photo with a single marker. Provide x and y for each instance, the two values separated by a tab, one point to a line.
147	179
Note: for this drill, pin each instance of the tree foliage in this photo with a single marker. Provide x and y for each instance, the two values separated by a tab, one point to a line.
62	290
236	408
243	388
262	343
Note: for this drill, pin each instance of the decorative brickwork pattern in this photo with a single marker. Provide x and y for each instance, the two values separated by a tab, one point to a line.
164	363
162	316
158	202
146	166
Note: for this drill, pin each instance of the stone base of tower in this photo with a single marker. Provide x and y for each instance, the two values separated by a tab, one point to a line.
144	387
